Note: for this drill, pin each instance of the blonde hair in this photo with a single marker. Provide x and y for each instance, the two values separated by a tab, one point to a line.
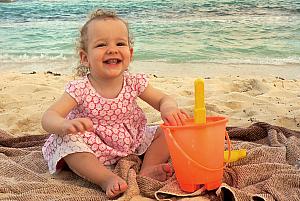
81	43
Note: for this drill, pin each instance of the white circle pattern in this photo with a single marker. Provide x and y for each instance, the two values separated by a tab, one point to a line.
119	123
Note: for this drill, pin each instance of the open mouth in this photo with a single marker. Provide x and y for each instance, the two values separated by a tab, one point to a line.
112	61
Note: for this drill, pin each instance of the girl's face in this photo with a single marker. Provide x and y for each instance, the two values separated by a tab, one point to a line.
108	53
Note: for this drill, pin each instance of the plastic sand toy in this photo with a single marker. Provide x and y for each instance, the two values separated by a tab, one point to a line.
197	148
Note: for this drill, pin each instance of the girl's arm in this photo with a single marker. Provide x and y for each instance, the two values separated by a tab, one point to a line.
170	113
53	120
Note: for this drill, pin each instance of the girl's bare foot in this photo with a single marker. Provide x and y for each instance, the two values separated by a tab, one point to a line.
95	172
161	172
114	186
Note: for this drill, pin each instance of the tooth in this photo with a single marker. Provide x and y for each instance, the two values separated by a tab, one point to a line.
112	61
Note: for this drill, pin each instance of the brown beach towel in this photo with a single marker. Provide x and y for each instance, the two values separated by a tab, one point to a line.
269	172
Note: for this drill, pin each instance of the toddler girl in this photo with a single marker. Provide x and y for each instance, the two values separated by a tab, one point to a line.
97	120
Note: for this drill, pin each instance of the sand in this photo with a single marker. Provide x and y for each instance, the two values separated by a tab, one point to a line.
243	97
245	94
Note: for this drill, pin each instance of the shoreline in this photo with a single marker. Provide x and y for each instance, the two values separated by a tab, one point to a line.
66	66
286	71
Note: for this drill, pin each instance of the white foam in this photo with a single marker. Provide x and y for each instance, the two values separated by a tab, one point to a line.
261	61
32	58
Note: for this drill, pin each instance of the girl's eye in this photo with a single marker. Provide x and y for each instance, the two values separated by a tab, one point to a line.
101	45
121	44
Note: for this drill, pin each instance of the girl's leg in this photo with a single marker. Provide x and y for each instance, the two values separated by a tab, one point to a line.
92	170
156	157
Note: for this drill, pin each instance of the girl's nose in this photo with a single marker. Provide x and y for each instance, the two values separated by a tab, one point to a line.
112	50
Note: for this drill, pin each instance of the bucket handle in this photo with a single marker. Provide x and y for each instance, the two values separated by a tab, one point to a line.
195	162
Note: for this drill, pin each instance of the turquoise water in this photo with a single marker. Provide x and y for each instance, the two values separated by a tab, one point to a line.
175	31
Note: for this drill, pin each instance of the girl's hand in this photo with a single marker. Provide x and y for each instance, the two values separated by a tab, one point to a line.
174	116
78	125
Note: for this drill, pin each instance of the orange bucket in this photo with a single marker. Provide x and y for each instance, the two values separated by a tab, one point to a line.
197	152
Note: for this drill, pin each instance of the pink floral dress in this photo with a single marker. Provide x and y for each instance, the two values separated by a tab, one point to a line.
119	124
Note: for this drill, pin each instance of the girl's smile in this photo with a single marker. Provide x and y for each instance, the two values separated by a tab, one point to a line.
112	61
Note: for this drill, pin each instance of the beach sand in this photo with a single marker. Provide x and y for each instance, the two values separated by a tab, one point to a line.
244	97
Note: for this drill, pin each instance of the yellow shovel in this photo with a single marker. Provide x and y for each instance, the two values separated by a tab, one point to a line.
200	118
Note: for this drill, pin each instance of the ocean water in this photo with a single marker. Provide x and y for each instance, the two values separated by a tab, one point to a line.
172	31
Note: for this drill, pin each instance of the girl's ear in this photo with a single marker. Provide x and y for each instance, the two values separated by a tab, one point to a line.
83	58
131	53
